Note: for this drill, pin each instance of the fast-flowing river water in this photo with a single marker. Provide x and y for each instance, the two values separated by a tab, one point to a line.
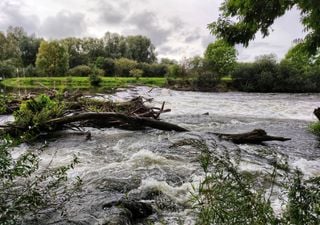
117	164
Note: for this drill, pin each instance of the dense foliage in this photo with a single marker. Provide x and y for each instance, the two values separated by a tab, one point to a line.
20	53
240	20
221	57
52	59
266	75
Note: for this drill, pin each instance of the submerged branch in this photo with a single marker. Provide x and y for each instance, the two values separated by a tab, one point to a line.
256	136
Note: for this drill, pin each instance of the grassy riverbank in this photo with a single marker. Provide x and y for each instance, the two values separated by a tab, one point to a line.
80	82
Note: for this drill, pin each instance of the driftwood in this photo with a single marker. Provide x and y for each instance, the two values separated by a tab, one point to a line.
82	112
316	112
111	117
256	136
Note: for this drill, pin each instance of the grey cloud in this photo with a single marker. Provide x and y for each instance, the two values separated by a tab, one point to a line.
263	44
112	13
146	23
167	50
192	37
64	24
12	15
206	40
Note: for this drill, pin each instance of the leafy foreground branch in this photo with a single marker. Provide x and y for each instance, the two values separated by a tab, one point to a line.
231	197
26	190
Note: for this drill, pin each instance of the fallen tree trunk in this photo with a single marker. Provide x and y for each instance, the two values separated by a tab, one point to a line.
316	112
256	136
134	121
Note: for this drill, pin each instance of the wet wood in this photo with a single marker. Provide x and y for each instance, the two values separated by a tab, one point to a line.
316	112
256	136
116	119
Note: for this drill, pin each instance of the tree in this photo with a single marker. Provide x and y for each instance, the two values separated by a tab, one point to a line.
106	64
300	58
221	57
240	20
29	46
93	48
52	59
123	67
140	49
115	45
77	55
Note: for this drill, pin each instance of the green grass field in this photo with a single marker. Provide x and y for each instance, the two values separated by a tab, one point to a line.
80	82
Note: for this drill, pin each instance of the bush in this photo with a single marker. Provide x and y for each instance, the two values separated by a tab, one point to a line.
7	70
157	70
123	67
82	71
312	79
95	77
136	73
266	75
34	114
106	64
206	81
31	71
174	71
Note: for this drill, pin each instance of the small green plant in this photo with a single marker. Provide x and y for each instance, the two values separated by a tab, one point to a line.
315	128
33	115
3	104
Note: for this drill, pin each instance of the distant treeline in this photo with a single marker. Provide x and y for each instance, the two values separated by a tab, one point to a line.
134	56
27	55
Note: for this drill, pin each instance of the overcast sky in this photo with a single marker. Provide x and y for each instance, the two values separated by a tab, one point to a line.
176	27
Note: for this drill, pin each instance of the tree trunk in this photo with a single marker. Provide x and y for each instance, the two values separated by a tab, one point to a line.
111	117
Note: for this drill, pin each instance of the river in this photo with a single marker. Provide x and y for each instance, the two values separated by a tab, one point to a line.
116	164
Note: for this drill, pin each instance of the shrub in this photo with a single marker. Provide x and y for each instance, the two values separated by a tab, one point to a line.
7	70
157	70
312	78
95	77
206	81
174	71
31	71
123	67
137	73
34	114
82	71
106	64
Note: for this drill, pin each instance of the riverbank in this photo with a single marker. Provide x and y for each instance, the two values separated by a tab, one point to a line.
80	82
111	83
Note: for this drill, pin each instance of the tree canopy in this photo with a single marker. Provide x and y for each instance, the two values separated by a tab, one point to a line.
221	56
240	20
52	58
